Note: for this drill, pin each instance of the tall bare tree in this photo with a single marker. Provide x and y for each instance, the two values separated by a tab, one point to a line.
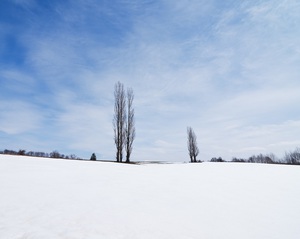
192	144
129	125
119	120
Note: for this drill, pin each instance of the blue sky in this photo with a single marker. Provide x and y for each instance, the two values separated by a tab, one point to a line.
229	69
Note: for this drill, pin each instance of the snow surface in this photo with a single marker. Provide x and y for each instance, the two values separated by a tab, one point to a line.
65	199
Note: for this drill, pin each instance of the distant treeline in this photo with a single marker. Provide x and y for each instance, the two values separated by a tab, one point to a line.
292	157
53	154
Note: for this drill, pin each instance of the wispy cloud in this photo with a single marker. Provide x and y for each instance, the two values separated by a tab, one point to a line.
226	69
19	117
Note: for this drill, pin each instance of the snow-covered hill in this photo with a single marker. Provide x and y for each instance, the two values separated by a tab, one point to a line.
61	199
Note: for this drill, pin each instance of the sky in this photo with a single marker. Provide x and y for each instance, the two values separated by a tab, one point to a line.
229	69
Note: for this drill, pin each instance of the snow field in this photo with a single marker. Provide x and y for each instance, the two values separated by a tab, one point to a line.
65	199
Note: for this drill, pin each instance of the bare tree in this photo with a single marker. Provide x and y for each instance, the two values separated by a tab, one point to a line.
192	144
119	119
53	154
129	125
93	157
293	157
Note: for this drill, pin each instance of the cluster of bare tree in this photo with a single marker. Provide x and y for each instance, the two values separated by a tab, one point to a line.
260	158
123	121
53	154
217	159
292	157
